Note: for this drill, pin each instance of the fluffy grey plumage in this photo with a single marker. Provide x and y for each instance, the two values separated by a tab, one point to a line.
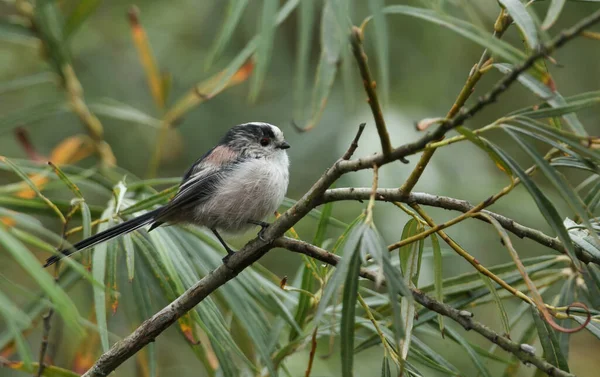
233	187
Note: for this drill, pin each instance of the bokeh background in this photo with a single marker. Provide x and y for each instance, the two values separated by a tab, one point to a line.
429	65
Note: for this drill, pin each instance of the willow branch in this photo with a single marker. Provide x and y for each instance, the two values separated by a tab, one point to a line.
395	195
356	39
467	322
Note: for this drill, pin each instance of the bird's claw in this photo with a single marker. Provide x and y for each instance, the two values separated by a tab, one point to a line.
261	233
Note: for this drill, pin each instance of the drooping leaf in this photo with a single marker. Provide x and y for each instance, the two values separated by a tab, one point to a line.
516	9
265	45
305	35
565	298
483	144
82	10
351	244
463	28
543	203
332	42
235	10
554	10
470	351
381	46
438	276
349	299
99	262
499	304
548	94
15	320
552	351
568	194
60	300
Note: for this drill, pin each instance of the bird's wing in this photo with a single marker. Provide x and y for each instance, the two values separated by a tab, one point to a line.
199	183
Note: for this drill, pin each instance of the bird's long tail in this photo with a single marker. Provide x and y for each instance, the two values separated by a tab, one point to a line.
115	231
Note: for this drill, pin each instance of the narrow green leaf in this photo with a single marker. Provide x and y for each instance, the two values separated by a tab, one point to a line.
333	39
386	370
558	181
463	28
410	270
82	10
565	298
265	46
348	312
433	356
396	285
129	256
409	230
381	46
304	301
70	185
113	109
315	214
99	255
304	37
573	144
470	351
438	276
26	82
483	144
322	225
49	24
516	9
554	10
33	186
235	10
351	245
32	369
111	275
15	320
561	110
592	327
552	351
60	300
543	203
470	281
499	304
249	49
86	223
147	203
31	114
552	97
144	309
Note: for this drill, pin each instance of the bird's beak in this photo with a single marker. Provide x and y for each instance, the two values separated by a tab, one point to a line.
283	145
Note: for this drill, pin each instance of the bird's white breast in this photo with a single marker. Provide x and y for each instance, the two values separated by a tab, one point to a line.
253	190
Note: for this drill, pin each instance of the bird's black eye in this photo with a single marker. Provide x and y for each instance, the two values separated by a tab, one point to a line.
264	141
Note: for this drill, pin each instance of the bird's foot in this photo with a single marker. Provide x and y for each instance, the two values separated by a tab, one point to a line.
230	252
263	225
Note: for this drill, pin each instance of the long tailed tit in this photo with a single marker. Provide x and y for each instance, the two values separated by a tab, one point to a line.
233	187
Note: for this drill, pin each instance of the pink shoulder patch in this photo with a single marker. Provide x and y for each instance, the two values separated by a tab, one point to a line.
220	155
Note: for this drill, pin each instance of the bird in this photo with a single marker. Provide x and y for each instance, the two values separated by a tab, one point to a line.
231	188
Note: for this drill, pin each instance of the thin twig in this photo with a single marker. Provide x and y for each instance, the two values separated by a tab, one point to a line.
354	144
313	351
356	39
